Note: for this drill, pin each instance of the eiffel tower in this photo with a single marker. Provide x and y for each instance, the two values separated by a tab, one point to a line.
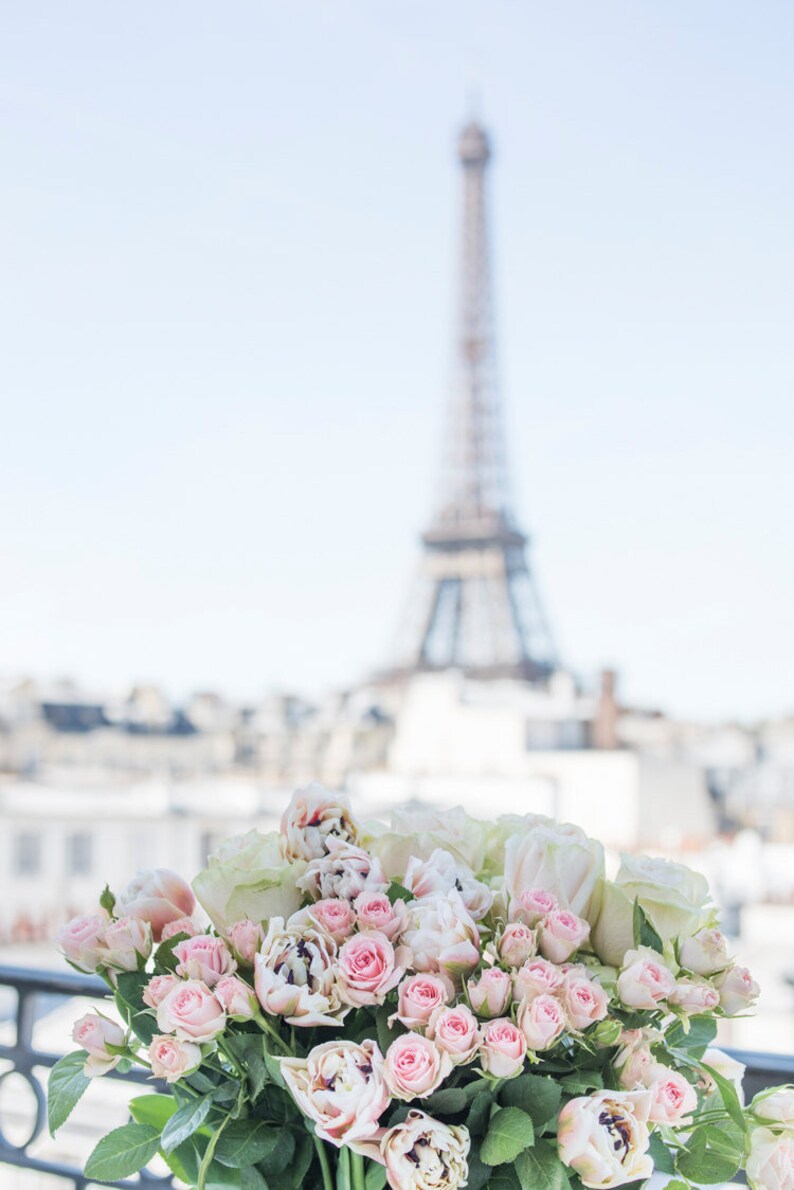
477	608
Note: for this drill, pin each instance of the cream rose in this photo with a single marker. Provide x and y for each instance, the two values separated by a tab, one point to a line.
417	833
775	1104
738	990
345	871
158	988
158	896
236	998
441	873
191	1011
249	878
374	911
180	925
332	915
584	1000
770	1165
442	935
517	944
560	859
126	944
424	1154
172	1059
312	817
503	1048
295	976
531	906
414	1067
246	938
368	967
94	1033
705	952
538	977
604	1138
542	1021
673	1099
694	996
340	1086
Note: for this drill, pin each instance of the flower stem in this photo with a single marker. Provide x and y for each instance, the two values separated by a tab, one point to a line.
356	1171
328	1182
266	1027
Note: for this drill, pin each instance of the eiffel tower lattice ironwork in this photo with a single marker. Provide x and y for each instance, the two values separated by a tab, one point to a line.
477	609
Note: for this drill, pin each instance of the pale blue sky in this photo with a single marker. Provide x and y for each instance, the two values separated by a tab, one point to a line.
228	248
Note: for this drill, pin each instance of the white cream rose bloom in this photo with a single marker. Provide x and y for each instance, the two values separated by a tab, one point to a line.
770	1165
604	1138
562	860
423	1154
249	877
417	834
775	1104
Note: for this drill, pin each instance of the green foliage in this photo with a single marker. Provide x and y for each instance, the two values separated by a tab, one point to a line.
247	1142
692	1042
479	1113
644	932
122	1153
248	1049
107	901
153	1109
398	892
713	1154
449	1101
539	1097
66	1085
375	1177
504	1178
663	1159
510	1131
164	958
277	1160
582	1081
185	1122
129	1001
540	1168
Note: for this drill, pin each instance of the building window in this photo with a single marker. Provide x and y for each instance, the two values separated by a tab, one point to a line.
27	854
78	855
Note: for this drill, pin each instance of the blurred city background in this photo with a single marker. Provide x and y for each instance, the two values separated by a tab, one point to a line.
397	397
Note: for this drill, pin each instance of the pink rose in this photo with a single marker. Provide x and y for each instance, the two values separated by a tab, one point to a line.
644	981
562	933
126	944
542	1021
517	944
236	998
705	953
455	1032
424	1153
314	816
158	896
374	911
332	915
635	1064
79	941
345	872
738	990
531	905
491	993
191	1011
204	957
367	968
503	1048
158	988
414	1067
584	1001
180	925
94	1033
694	996
538	977
246	937
171	1058
340	1086
418	997
672	1097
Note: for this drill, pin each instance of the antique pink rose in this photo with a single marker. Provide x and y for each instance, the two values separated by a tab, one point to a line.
562	933
537	977
491	993
414	1067
345	872
312	817
94	1033
246	938
517	944
584	1000
503	1048
542	1021
442	935
158	988
158	896
604	1138
705	952
694	996
672	1097
295	976
644	982
204	957
442	873
80	940
423	1154
374	911
334	916
418	997
531	906
191	1011
455	1032
738	990
236	998
171	1059
340	1086
180	925
368	967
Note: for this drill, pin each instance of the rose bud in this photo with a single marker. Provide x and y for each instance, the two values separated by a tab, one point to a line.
585	1001
532	905
775	1104
456	1032
180	925
158	896
635	1064
694	996
414	1067
542	1021
374	911
672	1097
418	997
644	981
191	1011
332	915
246	938
158	988
368	967
172	1059
340	1087
490	995
502	1049
236	999
205	958
562	933
80	939
538	977
423	1154
738	990
94	1033
604	1138
126	943
517	944
770	1165
705	953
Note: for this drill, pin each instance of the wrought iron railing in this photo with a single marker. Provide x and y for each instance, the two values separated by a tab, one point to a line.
36	989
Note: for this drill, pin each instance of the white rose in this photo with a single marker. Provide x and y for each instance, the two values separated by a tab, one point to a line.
705	953
295	976
560	859
249	878
738	990
419	832
775	1104
770	1165
424	1154
440	874
340	1086
442	935
604	1138
728	1067
645	981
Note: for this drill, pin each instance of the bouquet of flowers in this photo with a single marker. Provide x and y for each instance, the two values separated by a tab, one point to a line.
439	1004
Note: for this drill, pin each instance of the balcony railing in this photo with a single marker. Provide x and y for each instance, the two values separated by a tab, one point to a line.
38	991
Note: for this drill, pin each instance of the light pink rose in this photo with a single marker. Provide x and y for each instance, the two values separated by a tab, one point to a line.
584	1000
562	933
80	939
171	1059
340	1086
491	993
538	977
94	1033
542	1021
374	911
644	982
442	873
181	925
442	935
158	988
191	1011
634	1063
158	896
705	952
418	997
503	1048
532	905
770	1165
414	1067
455	1032
332	915
312	817
604	1138
672	1097
368	968
204	957
246	938
423	1154
295	976
126	944
236	998
738	990
517	944
694	996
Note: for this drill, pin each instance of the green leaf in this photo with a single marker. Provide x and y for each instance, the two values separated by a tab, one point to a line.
479	1172
539	1168
274	1069
249	1051
153	1109
107	901
398	892
581	1081
129	1001
644	932
252	1179
730	1098
710	1156
66	1084
247	1142
279	1157
122	1153
479	1113
375	1177
695	1042
301	1162
164	958
447	1102
185	1122
663	1159
539	1097
386	1034
504	1178
509	1133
